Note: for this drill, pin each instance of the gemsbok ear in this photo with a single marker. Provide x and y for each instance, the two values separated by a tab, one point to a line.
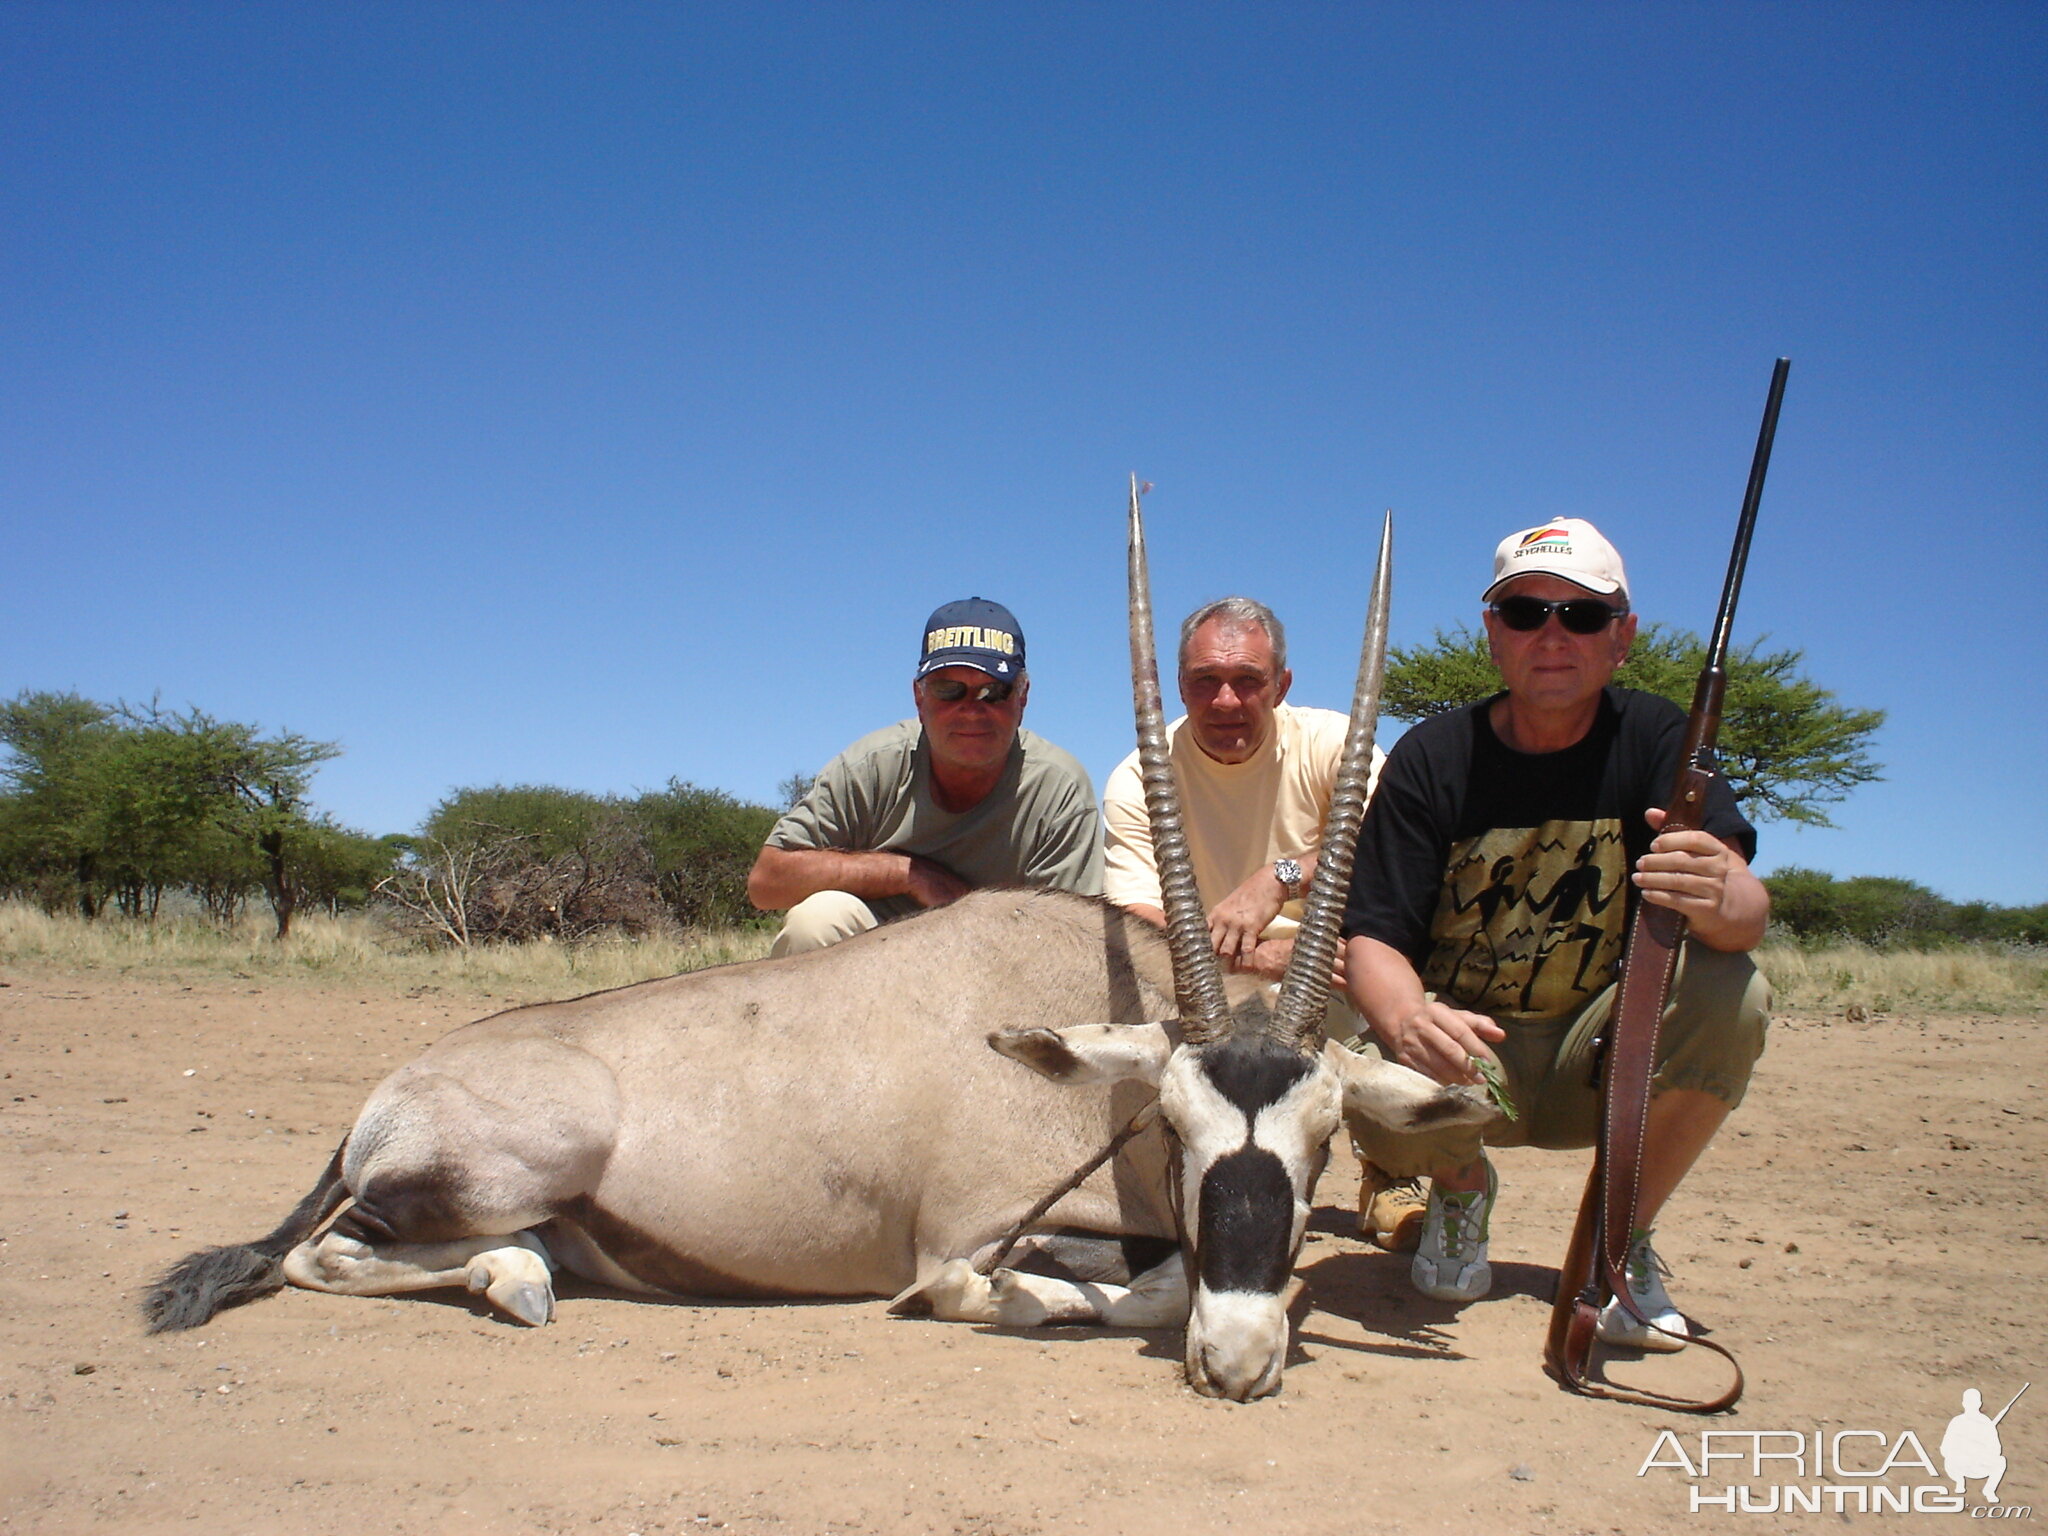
1089	1053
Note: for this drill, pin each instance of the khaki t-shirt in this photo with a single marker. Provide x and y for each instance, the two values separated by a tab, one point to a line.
1036	827
1240	817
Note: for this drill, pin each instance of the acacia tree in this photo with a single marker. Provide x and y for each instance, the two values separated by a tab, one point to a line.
230	796
124	802
1788	749
333	866
270	776
45	848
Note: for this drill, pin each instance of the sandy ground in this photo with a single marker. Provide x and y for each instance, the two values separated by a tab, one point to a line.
1867	1236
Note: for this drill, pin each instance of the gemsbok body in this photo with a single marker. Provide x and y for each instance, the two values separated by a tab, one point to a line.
836	1124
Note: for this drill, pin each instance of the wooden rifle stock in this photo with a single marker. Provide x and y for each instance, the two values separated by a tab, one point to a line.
1596	1261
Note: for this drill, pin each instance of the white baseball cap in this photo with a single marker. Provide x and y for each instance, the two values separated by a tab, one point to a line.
1567	547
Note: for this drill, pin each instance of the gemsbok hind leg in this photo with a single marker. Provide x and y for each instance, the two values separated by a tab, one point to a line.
451	1180
513	1273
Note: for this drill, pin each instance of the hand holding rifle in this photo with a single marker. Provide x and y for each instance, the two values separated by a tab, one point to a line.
1687	873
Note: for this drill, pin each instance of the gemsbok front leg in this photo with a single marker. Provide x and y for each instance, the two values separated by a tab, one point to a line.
1010	1298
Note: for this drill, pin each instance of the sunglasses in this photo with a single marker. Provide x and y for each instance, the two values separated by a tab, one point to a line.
949	690
1579	615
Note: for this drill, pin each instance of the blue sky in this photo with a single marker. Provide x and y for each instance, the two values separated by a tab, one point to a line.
594	395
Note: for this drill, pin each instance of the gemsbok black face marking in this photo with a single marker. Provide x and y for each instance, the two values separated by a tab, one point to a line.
1246	1230
1254	1074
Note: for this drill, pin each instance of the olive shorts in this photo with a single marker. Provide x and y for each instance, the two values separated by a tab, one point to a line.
1710	1038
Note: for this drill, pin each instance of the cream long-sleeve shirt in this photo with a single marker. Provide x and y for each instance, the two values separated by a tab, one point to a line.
1239	816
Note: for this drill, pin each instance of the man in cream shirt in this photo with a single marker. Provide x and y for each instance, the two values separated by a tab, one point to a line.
1255	776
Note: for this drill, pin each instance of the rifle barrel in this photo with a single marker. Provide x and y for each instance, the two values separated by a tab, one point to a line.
1724	621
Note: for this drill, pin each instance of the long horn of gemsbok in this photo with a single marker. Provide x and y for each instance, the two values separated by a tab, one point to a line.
1304	991
1197	978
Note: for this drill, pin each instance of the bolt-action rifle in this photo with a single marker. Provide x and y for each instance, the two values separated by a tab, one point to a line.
1595	1263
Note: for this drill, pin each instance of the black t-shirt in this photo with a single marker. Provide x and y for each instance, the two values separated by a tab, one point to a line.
1503	875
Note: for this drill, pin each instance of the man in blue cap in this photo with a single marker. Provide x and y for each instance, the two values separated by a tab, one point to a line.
920	812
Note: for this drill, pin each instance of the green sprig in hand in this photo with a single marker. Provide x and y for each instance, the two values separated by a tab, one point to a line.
1496	1084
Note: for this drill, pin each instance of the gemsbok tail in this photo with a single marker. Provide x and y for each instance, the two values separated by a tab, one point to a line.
201	1284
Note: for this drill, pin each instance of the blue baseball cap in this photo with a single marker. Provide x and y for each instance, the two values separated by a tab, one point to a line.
973	632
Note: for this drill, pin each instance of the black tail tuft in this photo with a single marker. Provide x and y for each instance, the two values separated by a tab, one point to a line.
192	1290
202	1284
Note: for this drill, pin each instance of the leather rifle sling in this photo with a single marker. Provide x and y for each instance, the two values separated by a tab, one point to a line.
1596	1261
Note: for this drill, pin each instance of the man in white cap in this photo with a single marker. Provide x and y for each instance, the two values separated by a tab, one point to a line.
1496	871
921	812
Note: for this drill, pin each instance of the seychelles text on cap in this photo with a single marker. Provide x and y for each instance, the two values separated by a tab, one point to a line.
1568	547
972	633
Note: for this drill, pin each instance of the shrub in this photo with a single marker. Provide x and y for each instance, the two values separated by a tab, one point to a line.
1812	907
530	860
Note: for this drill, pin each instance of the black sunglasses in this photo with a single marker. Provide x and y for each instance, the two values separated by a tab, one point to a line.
949	690
1580	615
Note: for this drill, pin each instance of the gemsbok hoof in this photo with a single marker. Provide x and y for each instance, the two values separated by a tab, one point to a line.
515	1281
954	1293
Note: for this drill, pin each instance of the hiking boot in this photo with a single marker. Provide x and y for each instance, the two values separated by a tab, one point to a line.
1450	1261
1646	1274
1391	1210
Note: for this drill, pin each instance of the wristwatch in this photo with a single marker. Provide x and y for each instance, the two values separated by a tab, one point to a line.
1288	873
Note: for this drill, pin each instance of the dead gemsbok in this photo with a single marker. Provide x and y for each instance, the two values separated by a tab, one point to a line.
835	1125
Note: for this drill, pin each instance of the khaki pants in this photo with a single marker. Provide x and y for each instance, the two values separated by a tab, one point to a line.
822	919
1710	1038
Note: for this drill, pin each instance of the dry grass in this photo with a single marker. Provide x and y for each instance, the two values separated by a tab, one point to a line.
358	950
1841	977
355	949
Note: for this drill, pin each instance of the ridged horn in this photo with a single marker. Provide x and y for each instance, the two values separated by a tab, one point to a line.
1304	991
1197	978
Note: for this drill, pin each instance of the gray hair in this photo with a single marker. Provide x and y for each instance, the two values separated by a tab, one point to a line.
1235	613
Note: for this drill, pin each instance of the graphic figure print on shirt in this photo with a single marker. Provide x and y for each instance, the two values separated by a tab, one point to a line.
1527	923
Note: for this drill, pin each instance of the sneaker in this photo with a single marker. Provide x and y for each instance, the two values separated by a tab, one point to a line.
1450	1261
1646	1274
1391	1210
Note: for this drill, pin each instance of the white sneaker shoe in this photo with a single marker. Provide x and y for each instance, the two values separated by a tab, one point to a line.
1646	1274
1450	1261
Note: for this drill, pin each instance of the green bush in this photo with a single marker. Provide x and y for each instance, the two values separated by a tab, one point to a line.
703	842
1813	907
550	821
529	860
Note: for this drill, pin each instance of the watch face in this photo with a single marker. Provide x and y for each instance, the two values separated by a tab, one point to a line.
1287	872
